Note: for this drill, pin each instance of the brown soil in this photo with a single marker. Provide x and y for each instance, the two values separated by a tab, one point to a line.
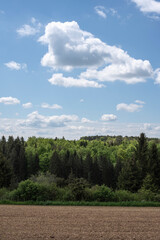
76	223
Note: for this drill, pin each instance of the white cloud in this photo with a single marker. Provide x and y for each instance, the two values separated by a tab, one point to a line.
54	106
157	128
147	126
124	68
9	100
108	117
15	66
157	76
133	107
101	11
27	105
85	120
59	80
71	128
148	6
104	12
70	47
36	120
114	12
81	100
139	101
29	30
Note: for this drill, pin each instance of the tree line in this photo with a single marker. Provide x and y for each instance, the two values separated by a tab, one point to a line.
116	162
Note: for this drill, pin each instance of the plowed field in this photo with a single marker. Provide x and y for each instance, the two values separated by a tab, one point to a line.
76	223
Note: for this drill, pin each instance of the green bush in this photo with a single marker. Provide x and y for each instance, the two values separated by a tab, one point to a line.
124	196
78	188
28	190
67	195
146	195
3	193
43	178
47	192
102	194
157	197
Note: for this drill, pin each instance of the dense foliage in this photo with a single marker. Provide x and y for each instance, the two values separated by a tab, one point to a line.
99	168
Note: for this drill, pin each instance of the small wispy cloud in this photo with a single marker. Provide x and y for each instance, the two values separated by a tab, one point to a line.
108	117
101	11
9	100
132	107
27	105
16	66
30	30
85	120
54	106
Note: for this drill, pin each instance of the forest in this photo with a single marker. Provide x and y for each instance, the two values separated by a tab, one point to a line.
95	168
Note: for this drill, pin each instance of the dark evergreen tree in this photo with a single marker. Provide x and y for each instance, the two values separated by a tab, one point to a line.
5	172
107	171
56	165
130	176
22	161
3	146
117	170
96	177
87	167
142	154
154	165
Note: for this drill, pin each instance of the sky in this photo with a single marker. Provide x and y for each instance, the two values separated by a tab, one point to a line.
79	68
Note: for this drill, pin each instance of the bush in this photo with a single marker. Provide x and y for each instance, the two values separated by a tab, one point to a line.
43	178
146	195
102	194
3	193
157	197
124	196
67	195
78	188
28	190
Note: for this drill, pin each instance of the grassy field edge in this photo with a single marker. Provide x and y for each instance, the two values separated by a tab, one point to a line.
83	203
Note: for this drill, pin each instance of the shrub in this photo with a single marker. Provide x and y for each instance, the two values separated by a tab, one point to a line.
124	196
102	193
78	188
3	193
27	190
43	178
146	195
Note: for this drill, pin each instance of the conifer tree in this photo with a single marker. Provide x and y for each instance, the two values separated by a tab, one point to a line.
142	154
154	165
5	172
130	176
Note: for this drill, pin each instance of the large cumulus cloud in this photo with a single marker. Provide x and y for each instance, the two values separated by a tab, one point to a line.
70	47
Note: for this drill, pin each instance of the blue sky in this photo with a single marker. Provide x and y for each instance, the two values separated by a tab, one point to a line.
75	68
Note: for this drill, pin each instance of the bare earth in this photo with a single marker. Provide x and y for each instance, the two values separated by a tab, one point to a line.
76	223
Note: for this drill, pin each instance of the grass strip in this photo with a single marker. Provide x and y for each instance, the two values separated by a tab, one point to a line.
83	203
